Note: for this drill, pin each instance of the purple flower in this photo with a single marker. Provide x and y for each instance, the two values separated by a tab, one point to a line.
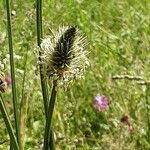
5	81
8	80
100	103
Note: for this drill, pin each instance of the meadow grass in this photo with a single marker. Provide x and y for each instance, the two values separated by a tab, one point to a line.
119	44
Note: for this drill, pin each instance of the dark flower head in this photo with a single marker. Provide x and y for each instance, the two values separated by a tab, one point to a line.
64	54
126	120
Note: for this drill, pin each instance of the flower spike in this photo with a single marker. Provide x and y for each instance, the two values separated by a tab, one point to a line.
64	54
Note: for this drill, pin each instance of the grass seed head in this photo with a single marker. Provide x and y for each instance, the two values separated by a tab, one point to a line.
64	54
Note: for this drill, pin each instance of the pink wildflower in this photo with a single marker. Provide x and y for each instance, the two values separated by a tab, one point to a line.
100	103
8	80
4	82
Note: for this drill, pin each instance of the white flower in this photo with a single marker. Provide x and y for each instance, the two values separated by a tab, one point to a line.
63	55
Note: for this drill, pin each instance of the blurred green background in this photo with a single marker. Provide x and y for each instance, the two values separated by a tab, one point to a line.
118	33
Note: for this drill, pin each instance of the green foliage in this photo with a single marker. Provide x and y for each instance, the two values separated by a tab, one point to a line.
118	35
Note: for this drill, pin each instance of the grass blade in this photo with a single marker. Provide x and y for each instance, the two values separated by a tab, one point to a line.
8	123
48	135
51	142
15	102
39	37
23	106
148	111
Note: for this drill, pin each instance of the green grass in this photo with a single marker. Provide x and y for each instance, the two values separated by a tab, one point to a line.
119	44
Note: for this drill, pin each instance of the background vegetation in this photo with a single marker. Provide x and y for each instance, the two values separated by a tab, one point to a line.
118	33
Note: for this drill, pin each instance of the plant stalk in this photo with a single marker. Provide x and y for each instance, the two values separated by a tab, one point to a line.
42	76
48	132
8	124
12	68
51	142
148	110
39	38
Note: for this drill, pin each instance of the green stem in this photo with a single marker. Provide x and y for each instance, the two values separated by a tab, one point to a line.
148	110
51	142
11	145
39	21
39	37
23	106
48	135
42	76
8	124
15	102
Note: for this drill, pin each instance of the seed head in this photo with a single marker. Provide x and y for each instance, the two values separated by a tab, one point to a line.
63	54
127	120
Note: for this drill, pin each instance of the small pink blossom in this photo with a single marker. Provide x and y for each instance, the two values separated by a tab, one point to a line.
8	80
4	83
100	103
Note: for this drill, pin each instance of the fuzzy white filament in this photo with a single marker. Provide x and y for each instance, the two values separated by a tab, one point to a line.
63	54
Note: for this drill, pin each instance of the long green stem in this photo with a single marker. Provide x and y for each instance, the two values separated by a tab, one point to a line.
15	102
39	37
42	76
51	142
8	123
11	145
23	106
148	110
47	135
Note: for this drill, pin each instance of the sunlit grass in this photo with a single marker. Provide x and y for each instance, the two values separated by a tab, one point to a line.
118	36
